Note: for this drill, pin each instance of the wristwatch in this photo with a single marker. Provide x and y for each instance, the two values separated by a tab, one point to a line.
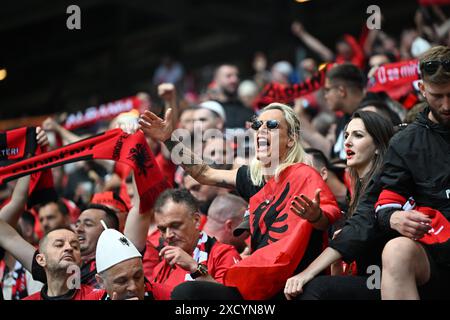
201	271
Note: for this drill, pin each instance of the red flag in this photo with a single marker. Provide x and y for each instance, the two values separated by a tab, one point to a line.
279	237
264	272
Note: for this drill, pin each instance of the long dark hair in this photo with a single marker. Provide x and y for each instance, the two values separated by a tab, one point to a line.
381	130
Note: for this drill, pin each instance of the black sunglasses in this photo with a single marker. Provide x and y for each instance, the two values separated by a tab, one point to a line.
271	124
430	67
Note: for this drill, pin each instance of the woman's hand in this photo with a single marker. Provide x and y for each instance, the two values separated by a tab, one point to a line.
306	208
294	285
155	127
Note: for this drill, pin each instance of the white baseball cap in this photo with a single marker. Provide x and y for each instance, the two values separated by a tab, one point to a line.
214	106
113	248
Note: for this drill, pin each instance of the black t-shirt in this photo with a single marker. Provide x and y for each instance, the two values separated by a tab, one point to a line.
244	184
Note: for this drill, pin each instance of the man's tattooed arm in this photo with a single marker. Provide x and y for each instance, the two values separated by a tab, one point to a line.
223	184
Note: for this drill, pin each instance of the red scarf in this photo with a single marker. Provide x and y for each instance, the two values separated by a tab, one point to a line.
131	149
440	226
275	92
123	171
279	236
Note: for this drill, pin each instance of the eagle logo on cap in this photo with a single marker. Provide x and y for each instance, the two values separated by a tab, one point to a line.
124	241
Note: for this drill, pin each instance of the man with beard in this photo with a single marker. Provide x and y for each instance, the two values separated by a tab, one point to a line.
417	164
60	256
226	81
88	229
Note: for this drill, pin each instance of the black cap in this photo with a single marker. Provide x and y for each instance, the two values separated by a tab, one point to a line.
243	226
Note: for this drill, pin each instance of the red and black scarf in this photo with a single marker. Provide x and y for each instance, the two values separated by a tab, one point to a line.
275	92
19	144
130	149
19	287
167	277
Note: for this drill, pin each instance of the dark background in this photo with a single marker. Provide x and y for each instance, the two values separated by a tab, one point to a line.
53	69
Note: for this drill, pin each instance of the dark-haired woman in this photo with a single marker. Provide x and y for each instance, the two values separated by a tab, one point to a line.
367	137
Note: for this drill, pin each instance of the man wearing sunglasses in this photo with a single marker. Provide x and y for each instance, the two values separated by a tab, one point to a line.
417	164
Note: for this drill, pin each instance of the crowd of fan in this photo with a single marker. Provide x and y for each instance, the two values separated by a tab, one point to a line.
343	177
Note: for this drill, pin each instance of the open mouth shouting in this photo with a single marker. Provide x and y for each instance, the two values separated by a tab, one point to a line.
349	153
262	144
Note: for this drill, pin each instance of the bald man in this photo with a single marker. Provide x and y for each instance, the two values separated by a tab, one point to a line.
224	215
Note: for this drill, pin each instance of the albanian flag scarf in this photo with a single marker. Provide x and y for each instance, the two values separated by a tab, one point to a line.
131	149
275	92
18	144
440	226
279	236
